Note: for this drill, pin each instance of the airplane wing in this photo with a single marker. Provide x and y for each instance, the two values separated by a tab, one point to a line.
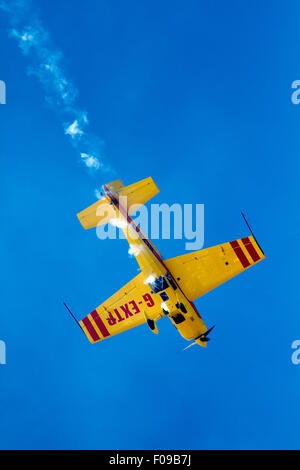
123	310
199	272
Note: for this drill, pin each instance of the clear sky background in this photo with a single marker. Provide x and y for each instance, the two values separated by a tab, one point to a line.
197	95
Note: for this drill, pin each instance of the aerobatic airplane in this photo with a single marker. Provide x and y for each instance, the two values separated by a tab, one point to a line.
164	287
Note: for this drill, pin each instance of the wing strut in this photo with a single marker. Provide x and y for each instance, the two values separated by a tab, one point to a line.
244	217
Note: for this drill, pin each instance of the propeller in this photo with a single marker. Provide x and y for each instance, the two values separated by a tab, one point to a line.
203	337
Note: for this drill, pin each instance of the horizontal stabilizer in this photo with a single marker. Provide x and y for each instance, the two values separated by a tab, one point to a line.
137	194
98	213
130	197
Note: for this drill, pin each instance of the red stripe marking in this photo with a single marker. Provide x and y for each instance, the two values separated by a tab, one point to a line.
250	248
99	323
194	307
240	254
89	326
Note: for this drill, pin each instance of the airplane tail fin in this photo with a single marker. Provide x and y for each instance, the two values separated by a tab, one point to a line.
130	197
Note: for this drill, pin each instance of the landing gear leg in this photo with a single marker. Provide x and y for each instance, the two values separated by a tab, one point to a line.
151	324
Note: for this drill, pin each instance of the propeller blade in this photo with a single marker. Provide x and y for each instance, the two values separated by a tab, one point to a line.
192	344
207	332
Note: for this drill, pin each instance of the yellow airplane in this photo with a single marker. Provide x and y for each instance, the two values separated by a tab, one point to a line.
164	287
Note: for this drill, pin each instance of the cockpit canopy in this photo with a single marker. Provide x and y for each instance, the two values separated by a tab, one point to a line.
159	284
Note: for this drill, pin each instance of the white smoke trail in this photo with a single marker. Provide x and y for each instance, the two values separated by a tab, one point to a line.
60	93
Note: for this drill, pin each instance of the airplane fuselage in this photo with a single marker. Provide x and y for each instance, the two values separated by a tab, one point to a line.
174	302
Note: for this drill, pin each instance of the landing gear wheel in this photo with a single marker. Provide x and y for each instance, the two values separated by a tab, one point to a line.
151	324
181	307
179	318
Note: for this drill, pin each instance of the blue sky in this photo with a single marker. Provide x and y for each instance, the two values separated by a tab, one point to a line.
197	95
